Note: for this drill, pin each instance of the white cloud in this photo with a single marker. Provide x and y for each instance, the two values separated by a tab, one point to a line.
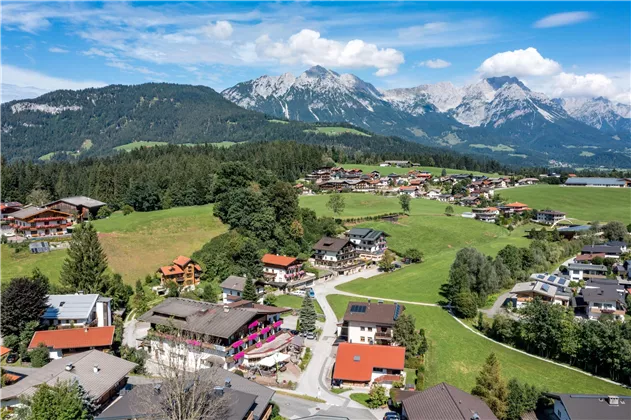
519	63
23	77
435	63
590	85
439	34
308	47
221	30
562	19
58	50
133	69
99	52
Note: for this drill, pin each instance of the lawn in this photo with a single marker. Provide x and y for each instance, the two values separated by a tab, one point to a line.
366	204
138	144
384	170
582	203
410	377
332	131
456	356
295	302
136	245
361	398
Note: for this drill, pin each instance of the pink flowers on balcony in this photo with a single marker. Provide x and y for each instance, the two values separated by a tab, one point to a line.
258	345
270	338
254	324
253	336
277	323
239	355
237	344
194	342
265	330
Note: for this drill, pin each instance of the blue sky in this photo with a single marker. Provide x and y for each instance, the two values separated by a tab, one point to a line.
563	49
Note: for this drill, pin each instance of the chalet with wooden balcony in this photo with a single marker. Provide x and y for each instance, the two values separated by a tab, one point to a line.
370	244
80	207
37	222
337	254
370	322
286	272
600	296
184	271
514	208
202	334
486	214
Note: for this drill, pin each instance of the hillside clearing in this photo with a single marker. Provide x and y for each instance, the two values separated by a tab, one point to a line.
332	131
385	170
138	144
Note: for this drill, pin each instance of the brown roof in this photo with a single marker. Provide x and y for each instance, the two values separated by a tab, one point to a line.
171	270
355	362
445	402
330	244
379	313
74	338
181	260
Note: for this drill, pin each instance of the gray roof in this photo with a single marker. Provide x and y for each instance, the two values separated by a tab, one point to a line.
200	317
595	181
70	306
234	283
379	313
111	370
142	400
29	212
80	201
331	244
439	403
366	233
596	249
587	267
579	228
603	293
589	407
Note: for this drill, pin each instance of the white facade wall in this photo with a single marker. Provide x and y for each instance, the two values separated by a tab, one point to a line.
181	356
279	273
103	314
355	332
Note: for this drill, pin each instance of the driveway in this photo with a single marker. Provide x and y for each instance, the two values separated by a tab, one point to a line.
133	331
294	408
497	306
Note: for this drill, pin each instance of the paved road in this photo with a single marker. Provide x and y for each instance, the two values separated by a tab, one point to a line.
497	306
134	330
293	408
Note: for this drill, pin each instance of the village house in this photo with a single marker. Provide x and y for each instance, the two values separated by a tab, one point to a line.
232	288
184	272
446	198
337	254
214	334
78	310
469	201
370	244
81	207
514	208
60	343
442	401
549	288
100	374
608	250
600	296
527	181
582	407
361	365
486	214
586	271
319	175
369	323
7	209
37	222
286	272
433	194
575	231
412	190
398	163
245	399
550	217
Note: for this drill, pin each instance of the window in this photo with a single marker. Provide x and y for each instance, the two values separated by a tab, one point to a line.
362	329
362	339
369	329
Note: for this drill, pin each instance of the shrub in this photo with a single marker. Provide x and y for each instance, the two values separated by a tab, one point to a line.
104	212
127	209
239	372
377	396
305	359
39	356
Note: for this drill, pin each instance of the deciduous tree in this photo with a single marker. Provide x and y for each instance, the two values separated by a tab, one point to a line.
404	201
336	204
23	300
39	356
405	335
387	261
615	231
413	254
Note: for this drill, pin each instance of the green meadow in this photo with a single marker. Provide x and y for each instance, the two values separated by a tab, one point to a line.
332	131
385	170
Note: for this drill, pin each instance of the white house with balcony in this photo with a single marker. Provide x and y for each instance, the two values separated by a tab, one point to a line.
78	310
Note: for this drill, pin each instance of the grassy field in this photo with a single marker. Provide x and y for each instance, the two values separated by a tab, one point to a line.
136	245
456	356
295	302
361	398
86	145
362	204
582	203
439	238
332	131
138	144
384	170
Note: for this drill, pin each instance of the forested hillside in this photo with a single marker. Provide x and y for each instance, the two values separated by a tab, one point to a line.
161	177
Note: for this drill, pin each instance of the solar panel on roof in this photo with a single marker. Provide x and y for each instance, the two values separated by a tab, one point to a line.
358	308
553	278
545	287
541	276
563	282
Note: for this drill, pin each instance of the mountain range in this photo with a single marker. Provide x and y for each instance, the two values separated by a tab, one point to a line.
498	116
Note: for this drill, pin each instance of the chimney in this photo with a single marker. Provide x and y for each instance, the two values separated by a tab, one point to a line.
156	388
96	369
613	400
69	367
218	390
226	308
85	329
227	383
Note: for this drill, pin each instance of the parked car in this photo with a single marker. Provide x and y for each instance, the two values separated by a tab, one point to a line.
311	293
12	358
391	415
311	336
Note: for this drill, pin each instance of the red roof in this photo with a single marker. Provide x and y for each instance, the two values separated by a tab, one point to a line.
4	350
517	204
171	270
348	368
278	260
74	338
181	260
588	257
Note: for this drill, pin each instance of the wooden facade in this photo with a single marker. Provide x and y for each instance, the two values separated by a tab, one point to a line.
41	223
183	271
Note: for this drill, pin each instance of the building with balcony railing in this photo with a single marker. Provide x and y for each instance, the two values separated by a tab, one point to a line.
184	271
337	254
37	222
369	323
485	214
600	296
370	244
286	272
201	334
